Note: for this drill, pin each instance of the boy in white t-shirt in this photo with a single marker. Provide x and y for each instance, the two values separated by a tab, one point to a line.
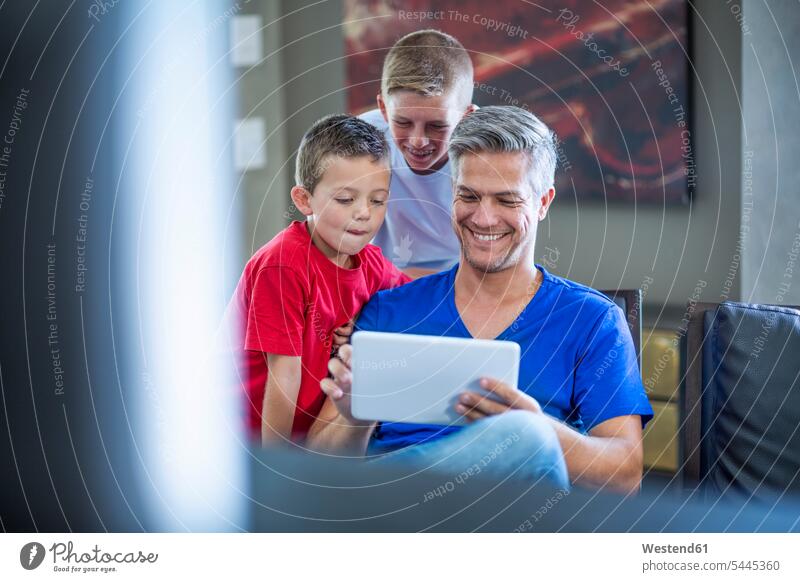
426	89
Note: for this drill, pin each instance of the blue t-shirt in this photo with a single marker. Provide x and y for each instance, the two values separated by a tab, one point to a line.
577	356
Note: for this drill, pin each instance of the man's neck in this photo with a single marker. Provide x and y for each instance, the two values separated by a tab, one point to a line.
510	284
489	303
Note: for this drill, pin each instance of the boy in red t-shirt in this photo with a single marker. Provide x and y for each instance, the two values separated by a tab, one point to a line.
313	277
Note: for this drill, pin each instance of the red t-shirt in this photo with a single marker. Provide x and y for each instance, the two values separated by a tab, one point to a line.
288	301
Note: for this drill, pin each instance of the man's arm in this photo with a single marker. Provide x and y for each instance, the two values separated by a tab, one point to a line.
335	429
609	456
332	432
280	398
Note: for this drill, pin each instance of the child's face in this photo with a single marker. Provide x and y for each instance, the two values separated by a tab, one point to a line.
421	125
347	206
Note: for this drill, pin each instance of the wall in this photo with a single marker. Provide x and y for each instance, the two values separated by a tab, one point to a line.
265	192
313	61
291	88
771	149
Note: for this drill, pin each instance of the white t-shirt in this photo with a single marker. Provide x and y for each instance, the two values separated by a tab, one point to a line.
417	231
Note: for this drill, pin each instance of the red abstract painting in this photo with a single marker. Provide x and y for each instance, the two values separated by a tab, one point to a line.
610	78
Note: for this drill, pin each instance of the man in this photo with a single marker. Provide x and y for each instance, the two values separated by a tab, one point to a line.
578	413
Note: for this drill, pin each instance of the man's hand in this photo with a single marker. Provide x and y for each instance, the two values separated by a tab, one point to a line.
341	335
500	398
337	389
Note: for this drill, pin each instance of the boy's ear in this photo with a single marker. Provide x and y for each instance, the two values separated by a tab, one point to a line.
382	107
300	198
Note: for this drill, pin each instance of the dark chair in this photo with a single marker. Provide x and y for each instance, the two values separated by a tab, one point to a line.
630	301
740	399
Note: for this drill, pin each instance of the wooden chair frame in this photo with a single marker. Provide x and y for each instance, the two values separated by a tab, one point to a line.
633	315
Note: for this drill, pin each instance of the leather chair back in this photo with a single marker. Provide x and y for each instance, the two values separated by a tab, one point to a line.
741	400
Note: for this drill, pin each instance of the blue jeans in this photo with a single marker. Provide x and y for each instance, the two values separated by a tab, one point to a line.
516	444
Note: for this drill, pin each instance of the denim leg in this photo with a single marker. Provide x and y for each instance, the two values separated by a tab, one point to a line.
516	444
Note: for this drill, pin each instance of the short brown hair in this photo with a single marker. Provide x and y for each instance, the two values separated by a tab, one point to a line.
338	135
429	62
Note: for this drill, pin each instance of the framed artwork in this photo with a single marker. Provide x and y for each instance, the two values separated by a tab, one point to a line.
611	79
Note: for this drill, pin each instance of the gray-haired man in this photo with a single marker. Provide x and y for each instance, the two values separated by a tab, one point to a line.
580	407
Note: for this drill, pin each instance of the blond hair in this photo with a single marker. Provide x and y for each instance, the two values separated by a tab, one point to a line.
428	62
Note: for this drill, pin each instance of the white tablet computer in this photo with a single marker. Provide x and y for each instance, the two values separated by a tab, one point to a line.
418	378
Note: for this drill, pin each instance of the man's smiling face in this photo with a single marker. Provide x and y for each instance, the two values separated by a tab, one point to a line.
495	210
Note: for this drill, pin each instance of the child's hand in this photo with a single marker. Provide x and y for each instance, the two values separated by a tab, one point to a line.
341	335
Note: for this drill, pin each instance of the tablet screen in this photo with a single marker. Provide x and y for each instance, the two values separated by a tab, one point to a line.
418	378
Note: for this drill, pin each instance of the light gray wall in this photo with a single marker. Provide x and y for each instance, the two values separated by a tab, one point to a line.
291	88
771	99
265	192
313	63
